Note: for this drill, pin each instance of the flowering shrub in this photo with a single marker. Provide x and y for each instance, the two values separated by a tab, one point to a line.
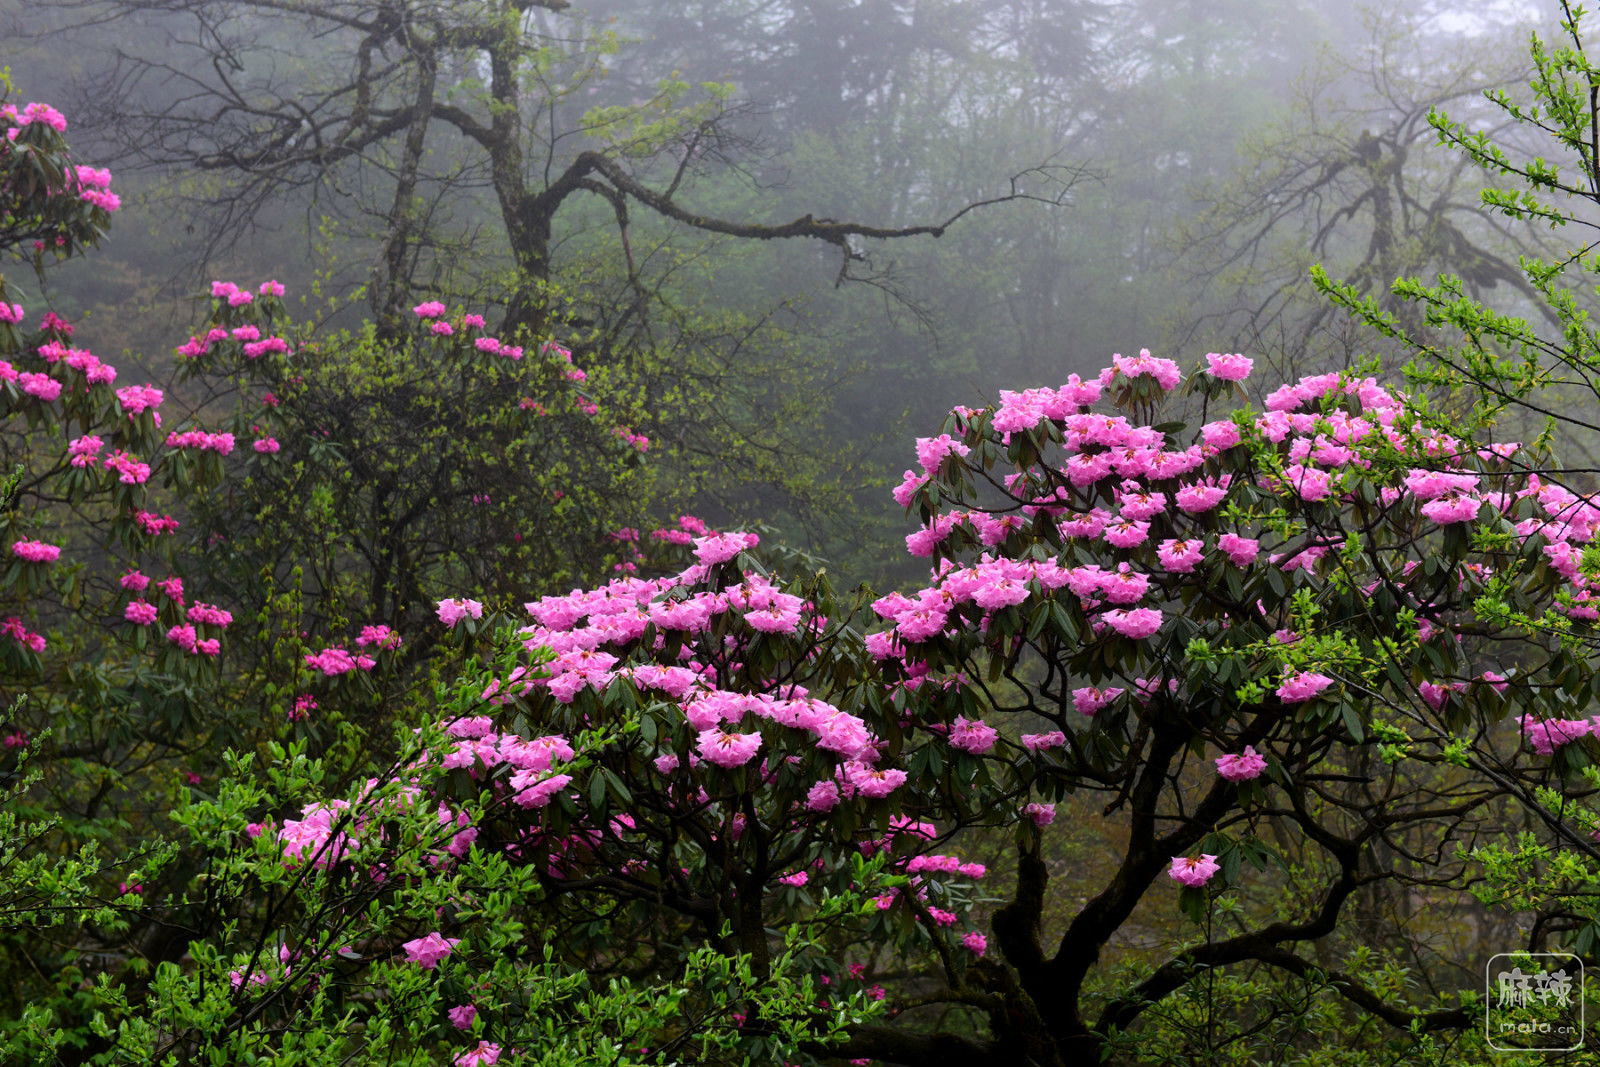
125	671
1337	627
395	915
1113	600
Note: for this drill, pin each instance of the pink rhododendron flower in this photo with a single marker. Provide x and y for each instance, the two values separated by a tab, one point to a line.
429	309
1452	508
138	398
1127	534
1042	815
1125	586
428	950
85	450
972	735
1302	687
536	794
1000	592
931	451
1429	484
1221	434
12	627
823	796
720	548
727	749
380	635
872	782
976	943
1164	371
1242	767
1241	551
1194	873
1091	699
1231	367
1043	742
1139	505
461	1016
1435	695
1310	483
35	551
210	614
1544	736
42	386
129	470
453	611
1179	555
139	612
184	637
485	1055
1137	623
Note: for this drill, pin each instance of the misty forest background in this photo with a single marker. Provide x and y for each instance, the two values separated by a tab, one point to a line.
1182	166
721	207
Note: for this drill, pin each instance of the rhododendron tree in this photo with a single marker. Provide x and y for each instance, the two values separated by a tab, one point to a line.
391	923
1306	660
1542	370
1274	582
157	606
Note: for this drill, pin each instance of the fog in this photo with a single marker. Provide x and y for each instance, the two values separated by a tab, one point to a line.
1168	173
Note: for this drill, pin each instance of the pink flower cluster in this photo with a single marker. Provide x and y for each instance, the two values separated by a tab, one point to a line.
1229	367
210	615
1302	686
427	951
384	637
81	360
235	296
1241	767
335	661
1544	736
453	611
13	628
34	112
151	523
136	399
1194	873
36	551
200	440
186	637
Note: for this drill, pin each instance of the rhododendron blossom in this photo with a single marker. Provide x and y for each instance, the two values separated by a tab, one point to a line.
1303	686
36	551
1242	767
1231	367
453	611
428	950
727	749
1193	873
1544	736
